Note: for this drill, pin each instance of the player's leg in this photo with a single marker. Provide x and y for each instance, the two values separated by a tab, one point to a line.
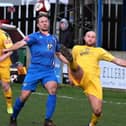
67	54
75	70
8	96
51	87
19	103
76	76
96	105
5	79
27	87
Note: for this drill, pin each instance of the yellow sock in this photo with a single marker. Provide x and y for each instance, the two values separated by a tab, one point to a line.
8	96
94	120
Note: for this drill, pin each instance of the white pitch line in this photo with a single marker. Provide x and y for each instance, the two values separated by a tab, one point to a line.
117	103
72	98
45	94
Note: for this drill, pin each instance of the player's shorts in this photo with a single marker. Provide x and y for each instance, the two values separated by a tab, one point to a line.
36	75
90	84
5	74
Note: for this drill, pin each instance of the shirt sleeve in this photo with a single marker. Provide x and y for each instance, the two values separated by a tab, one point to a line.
7	40
105	55
5	36
30	39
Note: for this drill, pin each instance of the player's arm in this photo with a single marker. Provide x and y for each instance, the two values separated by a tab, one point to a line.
5	55
62	58
119	61
16	46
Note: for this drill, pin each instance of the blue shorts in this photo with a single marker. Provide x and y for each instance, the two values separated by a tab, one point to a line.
36	75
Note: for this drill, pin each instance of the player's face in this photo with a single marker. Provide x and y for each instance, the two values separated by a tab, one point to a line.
43	24
90	38
62	26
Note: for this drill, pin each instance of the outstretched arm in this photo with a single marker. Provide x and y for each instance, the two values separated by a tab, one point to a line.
119	61
5	55
16	46
62	58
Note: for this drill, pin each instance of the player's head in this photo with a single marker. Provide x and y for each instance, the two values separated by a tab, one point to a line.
43	22
64	24
90	38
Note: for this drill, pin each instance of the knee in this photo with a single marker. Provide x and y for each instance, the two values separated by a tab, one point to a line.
52	90
24	96
5	87
98	111
51	87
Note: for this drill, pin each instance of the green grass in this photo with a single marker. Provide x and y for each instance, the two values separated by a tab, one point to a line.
72	108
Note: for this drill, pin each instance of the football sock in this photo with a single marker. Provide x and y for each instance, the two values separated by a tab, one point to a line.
17	107
94	120
8	96
50	106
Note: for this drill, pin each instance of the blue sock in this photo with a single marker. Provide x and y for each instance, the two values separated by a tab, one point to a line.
50	106
17	107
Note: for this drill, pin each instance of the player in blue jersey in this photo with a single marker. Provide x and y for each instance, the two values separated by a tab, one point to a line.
43	48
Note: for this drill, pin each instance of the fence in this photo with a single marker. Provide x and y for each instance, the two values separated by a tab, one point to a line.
24	18
112	19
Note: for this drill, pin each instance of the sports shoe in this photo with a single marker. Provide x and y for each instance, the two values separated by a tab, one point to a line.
66	53
88	125
13	122
9	110
49	123
91	124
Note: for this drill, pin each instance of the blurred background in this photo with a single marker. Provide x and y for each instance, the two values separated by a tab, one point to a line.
106	17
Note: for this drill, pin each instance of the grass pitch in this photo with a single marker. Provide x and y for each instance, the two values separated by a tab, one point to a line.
72	108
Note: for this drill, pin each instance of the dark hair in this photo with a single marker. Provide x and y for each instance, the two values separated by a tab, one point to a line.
88	31
42	14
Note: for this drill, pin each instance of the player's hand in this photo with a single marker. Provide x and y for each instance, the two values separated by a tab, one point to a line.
11	52
5	51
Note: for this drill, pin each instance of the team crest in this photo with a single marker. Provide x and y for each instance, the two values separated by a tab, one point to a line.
84	52
49	46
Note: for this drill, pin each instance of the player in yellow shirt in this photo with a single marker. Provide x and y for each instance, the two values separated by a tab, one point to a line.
88	77
5	62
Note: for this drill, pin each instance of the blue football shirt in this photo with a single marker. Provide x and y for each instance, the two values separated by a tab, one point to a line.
42	48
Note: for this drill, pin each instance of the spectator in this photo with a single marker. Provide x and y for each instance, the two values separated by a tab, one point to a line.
66	33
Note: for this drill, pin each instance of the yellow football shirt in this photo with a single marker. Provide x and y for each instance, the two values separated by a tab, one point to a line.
88	59
5	42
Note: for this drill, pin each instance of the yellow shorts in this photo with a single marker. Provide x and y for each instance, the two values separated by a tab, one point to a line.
5	74
90	84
